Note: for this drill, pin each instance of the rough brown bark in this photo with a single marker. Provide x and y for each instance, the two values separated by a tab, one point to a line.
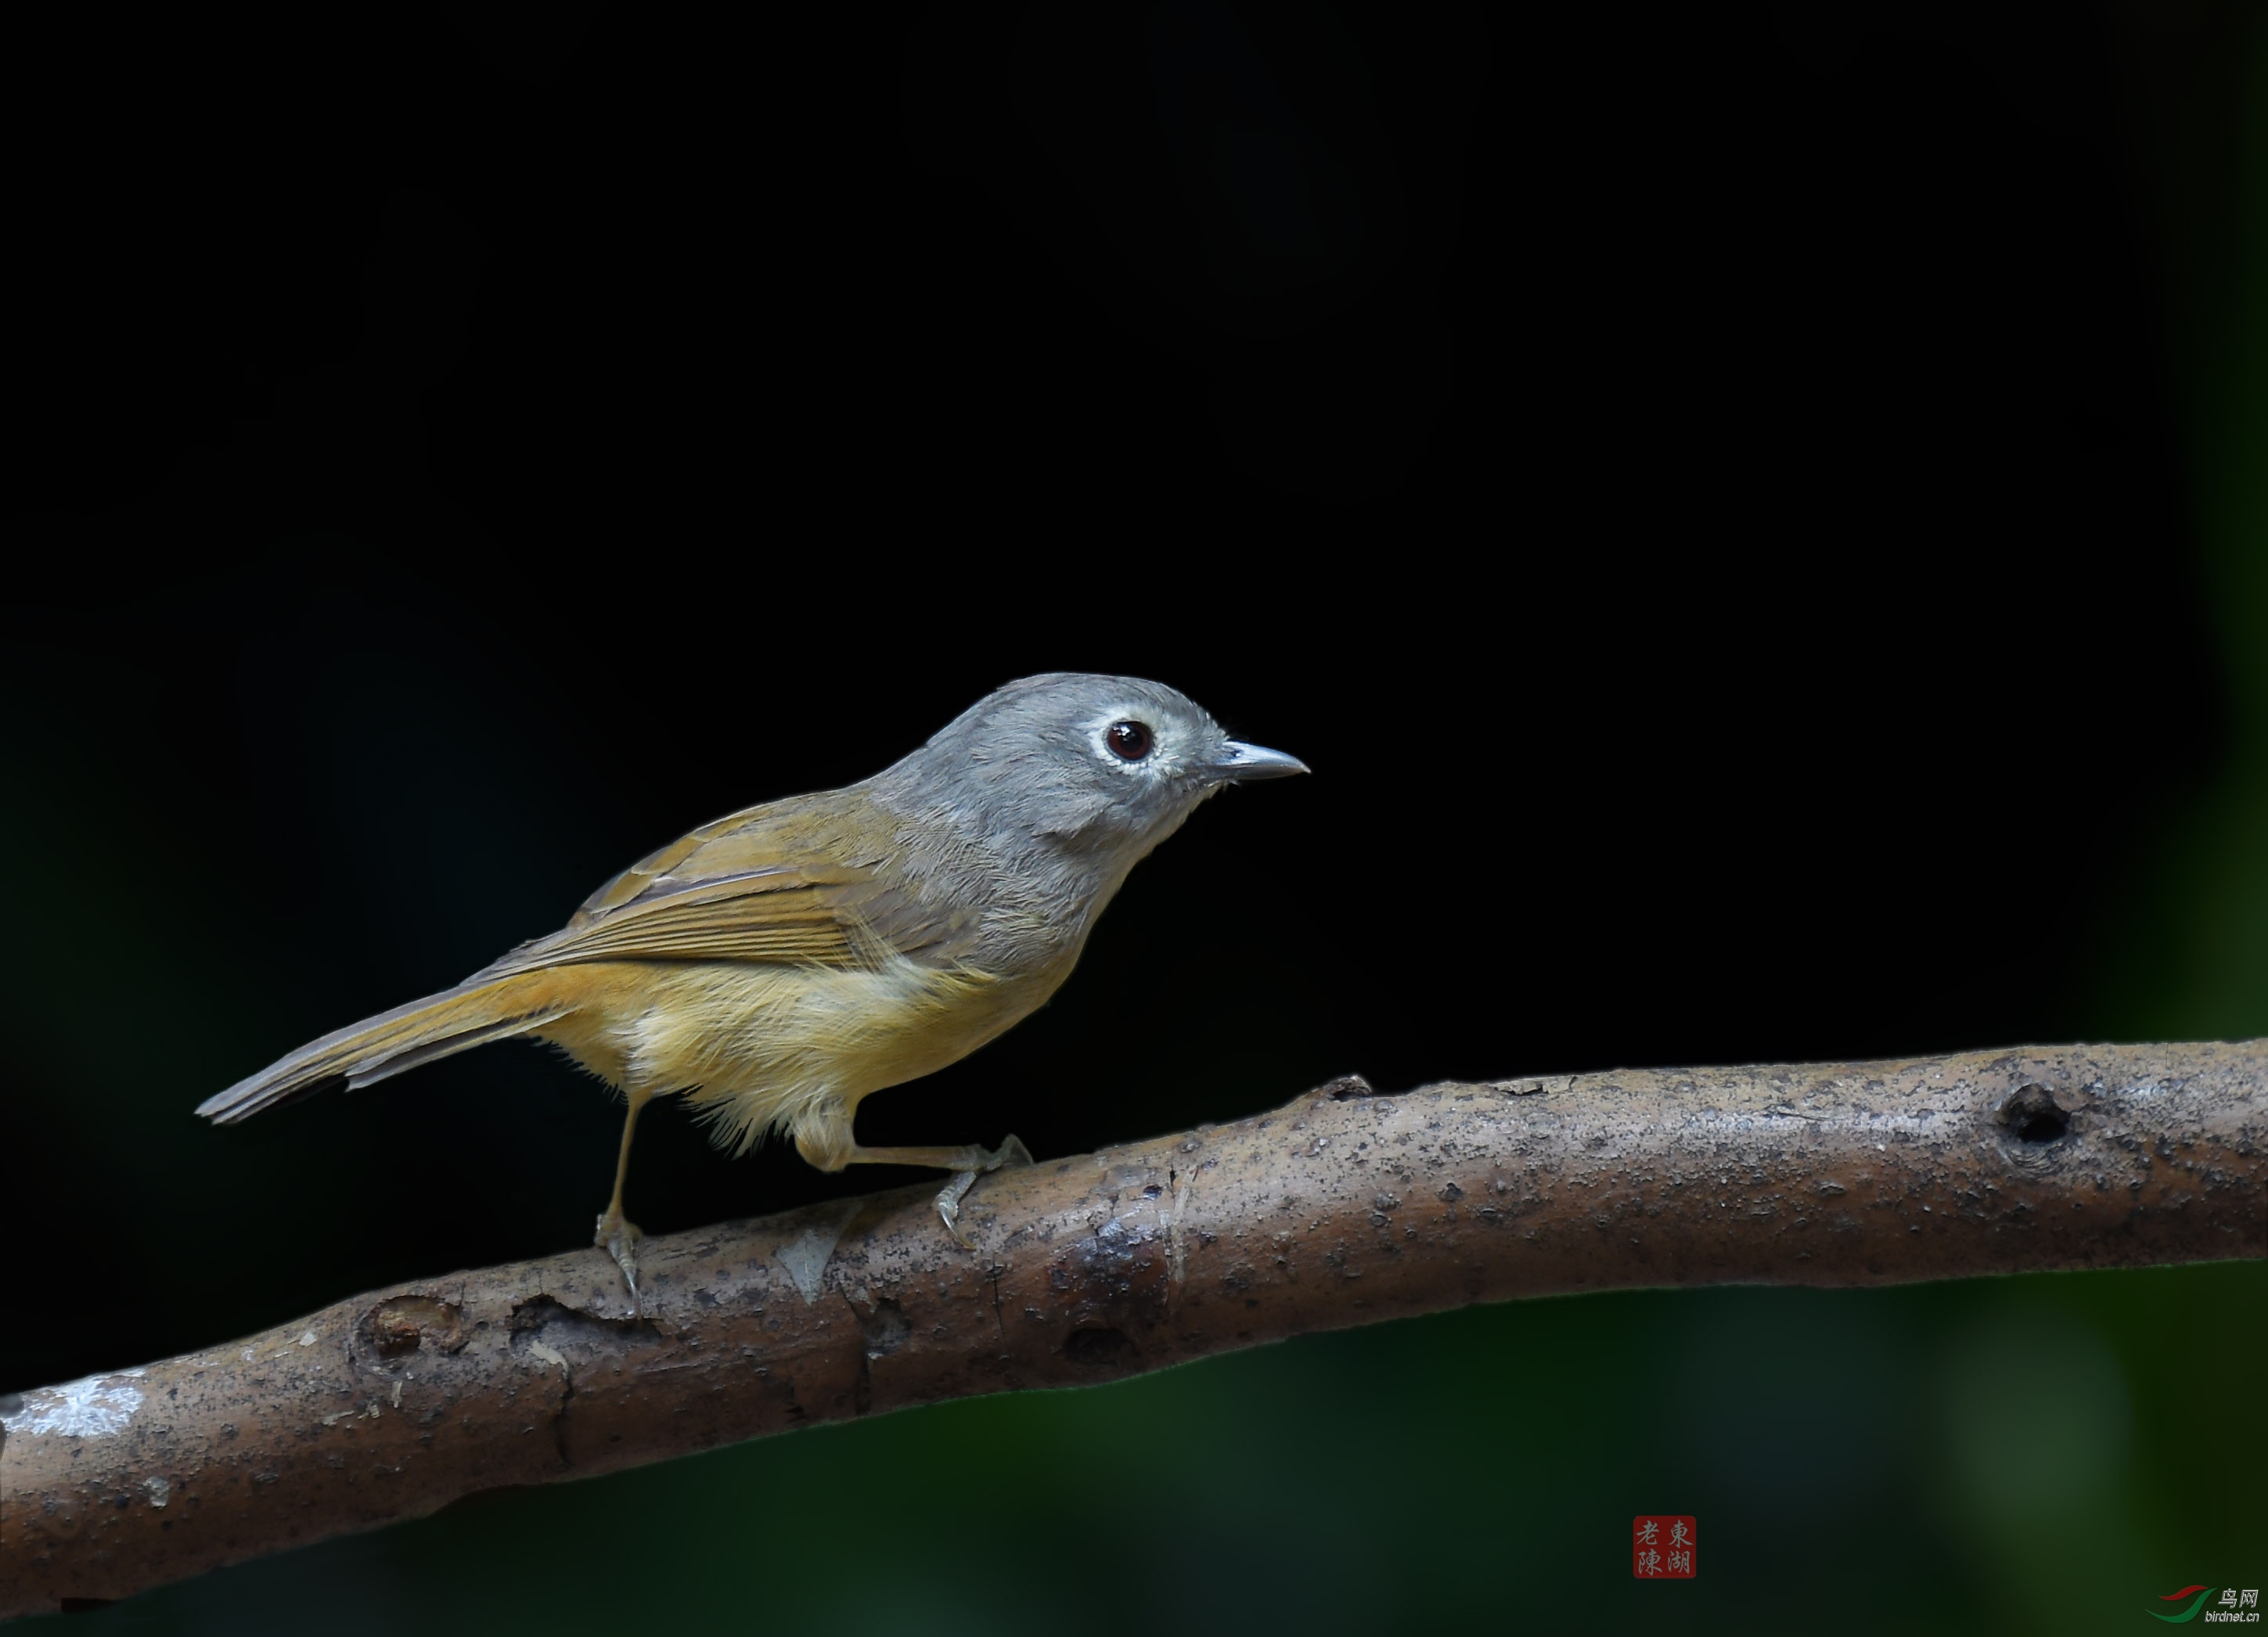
1344	1207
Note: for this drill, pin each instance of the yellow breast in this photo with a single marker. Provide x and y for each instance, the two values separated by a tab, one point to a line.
759	1046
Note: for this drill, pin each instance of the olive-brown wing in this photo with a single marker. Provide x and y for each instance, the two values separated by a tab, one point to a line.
819	880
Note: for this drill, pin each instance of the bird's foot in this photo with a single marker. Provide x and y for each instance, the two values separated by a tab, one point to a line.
618	1238
1010	1152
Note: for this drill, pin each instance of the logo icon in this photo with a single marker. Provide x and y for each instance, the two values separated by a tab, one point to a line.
1661	1548
2230	1608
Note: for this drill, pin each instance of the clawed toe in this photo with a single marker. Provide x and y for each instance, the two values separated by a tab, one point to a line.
1010	1152
618	1238
948	1206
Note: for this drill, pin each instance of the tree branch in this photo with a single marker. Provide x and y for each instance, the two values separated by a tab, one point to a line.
1342	1208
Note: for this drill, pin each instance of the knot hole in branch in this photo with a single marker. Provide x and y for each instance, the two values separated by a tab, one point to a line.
403	1324
2032	1112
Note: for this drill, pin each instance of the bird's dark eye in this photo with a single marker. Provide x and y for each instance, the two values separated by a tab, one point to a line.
1128	741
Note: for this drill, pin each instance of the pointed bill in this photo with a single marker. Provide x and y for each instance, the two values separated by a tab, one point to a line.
1241	762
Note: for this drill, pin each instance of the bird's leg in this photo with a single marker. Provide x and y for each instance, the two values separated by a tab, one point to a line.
617	1235
967	1162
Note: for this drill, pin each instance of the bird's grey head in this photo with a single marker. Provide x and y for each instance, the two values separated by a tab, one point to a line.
1110	764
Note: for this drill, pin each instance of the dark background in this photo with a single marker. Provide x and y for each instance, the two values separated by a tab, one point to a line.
1755	517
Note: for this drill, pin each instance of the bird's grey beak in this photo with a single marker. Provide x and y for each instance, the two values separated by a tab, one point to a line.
1239	761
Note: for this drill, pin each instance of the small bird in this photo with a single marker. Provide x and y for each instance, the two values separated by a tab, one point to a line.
780	965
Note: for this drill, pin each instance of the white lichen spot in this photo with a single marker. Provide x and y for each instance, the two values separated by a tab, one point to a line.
397	1395
247	1355
158	1488
548	1354
308	1340
99	1406
806	1256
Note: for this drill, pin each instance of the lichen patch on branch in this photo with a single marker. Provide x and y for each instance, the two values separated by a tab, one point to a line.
99	1407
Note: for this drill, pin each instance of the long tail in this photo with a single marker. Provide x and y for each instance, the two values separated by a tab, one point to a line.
456	1020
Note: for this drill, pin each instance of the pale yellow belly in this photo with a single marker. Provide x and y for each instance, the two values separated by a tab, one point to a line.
759	1046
